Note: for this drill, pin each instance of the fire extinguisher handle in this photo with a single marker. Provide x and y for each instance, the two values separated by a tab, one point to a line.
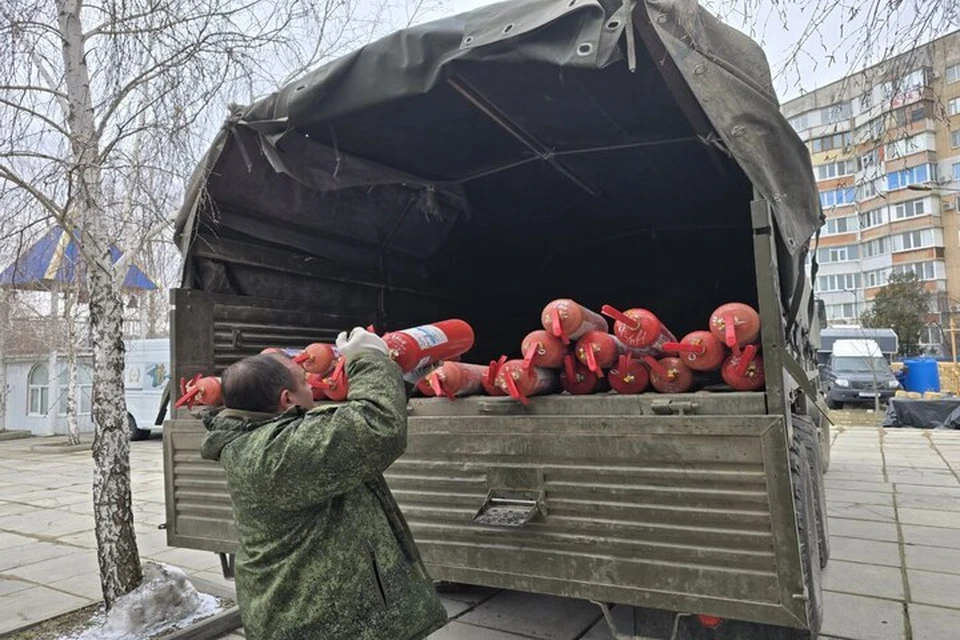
619	316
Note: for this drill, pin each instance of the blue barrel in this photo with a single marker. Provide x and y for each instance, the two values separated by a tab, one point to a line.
923	374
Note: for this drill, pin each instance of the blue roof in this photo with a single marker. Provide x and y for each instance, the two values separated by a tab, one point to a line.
53	260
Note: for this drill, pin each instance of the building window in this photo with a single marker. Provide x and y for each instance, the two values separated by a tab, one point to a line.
953	106
872	218
956	171
931	335
835	113
913	240
953	74
838	141
835	226
801	122
909	209
923	270
876	278
84	390
907	146
907	177
835	169
844	253
955	138
866	190
838	197
38	390
878	247
841	282
918	114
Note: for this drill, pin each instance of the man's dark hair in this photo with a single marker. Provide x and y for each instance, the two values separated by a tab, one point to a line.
255	383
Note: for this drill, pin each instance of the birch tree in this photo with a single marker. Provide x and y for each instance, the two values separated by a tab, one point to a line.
80	82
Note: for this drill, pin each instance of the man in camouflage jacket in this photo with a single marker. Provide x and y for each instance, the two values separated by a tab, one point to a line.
325	553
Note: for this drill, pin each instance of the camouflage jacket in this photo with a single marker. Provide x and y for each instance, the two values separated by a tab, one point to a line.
324	552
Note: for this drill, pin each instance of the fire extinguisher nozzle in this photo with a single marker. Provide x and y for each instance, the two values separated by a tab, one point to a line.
556	325
619	316
730	331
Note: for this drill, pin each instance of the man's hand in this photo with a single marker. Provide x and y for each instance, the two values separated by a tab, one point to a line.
360	340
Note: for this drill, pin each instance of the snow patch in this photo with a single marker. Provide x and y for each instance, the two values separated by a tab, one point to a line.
165	601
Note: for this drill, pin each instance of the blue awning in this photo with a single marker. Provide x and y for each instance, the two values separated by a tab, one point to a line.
53	261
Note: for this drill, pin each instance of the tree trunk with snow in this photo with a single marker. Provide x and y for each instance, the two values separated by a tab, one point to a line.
119	559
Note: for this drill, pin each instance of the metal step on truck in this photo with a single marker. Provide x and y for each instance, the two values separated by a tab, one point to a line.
478	167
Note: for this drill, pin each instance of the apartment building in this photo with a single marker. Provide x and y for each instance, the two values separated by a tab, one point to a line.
885	148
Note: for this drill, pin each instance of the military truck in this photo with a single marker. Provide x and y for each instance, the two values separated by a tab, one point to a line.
478	167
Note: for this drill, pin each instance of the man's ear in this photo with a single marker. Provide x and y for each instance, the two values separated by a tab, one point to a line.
286	400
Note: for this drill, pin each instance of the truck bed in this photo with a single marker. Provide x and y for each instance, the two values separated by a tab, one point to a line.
625	499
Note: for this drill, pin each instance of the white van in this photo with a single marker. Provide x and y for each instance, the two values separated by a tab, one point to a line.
146	374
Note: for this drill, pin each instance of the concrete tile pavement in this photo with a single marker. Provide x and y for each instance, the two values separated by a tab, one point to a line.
893	497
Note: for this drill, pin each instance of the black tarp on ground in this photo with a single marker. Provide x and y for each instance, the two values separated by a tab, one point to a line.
923	414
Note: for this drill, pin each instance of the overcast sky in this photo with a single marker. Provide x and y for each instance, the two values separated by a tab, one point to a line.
826	58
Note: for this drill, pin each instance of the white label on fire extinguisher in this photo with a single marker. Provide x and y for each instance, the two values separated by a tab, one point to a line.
426	336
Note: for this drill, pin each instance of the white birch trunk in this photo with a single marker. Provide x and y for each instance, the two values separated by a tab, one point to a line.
119	559
4	330
73	424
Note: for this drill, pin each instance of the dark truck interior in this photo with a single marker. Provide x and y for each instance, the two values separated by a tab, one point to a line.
529	182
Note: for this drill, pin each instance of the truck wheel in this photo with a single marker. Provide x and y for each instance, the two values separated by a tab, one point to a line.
136	433
805	435
803	497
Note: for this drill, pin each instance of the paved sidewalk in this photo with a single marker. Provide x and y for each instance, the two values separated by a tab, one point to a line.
893	499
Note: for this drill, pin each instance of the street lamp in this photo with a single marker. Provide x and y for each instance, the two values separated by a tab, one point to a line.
856	314
927	187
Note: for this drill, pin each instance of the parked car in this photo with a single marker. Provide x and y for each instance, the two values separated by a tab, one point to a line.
857	373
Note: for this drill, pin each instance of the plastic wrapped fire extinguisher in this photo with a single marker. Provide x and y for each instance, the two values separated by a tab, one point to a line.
567	320
490	380
318	357
202	390
541	349
699	350
577	379
669	374
520	383
629	376
598	350
736	325
744	372
454	379
640	330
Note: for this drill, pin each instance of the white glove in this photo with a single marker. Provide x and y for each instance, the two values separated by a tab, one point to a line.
360	340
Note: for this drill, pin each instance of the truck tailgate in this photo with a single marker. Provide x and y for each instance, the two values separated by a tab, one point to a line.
614	498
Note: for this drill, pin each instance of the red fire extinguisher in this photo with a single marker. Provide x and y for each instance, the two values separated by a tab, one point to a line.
700	350
744	372
490	380
452	379
335	386
317	386
629	376
199	390
669	374
290	352
541	349
576	379
736	325
520	383
317	358
640	330
598	350
415	348
567	320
